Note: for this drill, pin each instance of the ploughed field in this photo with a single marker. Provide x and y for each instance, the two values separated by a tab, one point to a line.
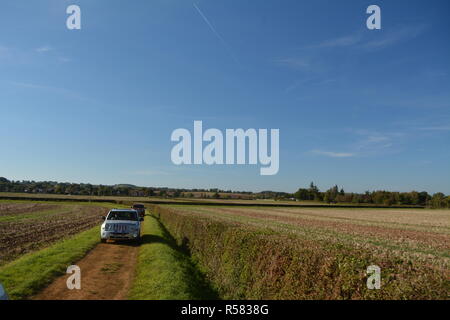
28	226
319	253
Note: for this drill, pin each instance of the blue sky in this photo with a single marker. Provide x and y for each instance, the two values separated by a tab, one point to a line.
359	108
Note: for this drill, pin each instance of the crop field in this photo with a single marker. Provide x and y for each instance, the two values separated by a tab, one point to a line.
29	226
419	233
318	253
226	252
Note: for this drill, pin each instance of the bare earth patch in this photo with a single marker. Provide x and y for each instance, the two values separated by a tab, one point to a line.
20	237
107	273
410	233
7	209
436	240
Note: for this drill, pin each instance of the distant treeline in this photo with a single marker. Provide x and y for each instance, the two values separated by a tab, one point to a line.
332	195
52	187
87	189
388	198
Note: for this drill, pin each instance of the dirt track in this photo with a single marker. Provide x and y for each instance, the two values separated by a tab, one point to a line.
106	274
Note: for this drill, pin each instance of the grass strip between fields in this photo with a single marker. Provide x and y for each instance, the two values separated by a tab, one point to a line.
165	271
27	275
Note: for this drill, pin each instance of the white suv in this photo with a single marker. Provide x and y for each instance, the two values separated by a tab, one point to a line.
121	224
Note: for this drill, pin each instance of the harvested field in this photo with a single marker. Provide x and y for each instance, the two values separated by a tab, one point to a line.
11	209
26	227
420	233
412	247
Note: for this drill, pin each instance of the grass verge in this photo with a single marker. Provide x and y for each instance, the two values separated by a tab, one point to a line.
27	275
165	271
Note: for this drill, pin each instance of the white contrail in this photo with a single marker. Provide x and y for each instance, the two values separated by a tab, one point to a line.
216	33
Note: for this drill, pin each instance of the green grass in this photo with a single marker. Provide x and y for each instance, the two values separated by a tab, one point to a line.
27	275
165	271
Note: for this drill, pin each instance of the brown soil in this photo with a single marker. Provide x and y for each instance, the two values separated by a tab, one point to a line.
106	274
436	240
20	237
20	208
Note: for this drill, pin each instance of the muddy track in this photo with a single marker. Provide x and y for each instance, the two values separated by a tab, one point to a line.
107	273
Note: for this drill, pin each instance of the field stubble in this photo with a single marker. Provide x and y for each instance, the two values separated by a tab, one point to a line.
26	227
316	253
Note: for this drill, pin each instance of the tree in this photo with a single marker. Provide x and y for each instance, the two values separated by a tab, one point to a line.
176	193
331	194
313	191
424	197
302	194
438	200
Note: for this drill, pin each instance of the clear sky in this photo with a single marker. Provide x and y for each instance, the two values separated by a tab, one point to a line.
364	109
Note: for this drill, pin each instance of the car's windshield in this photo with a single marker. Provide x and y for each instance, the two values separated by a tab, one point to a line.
122	215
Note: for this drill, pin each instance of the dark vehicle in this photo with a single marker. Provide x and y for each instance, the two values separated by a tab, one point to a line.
140	208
